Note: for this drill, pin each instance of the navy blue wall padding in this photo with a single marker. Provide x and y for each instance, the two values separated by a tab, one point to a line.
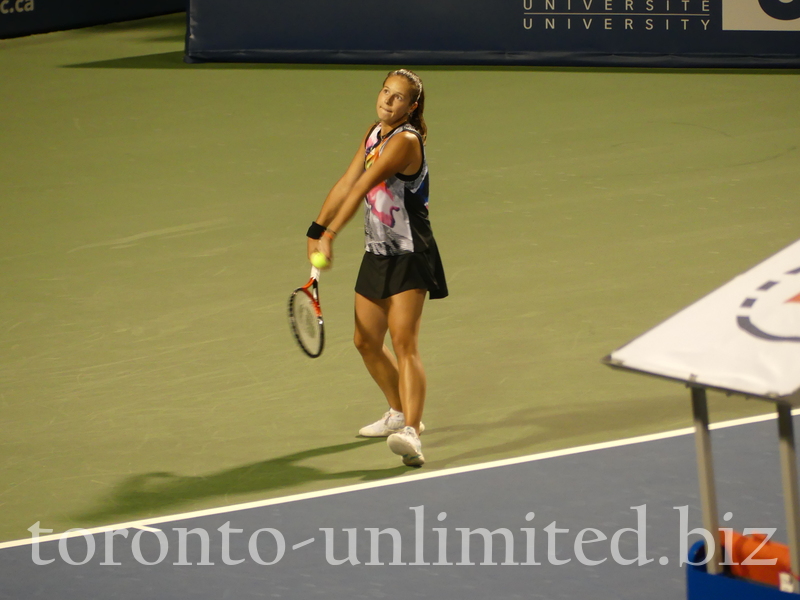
667	33
24	17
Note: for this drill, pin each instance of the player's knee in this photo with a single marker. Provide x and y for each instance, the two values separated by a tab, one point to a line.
404	344
366	345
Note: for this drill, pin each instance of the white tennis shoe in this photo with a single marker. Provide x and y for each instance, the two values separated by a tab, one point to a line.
391	422
406	443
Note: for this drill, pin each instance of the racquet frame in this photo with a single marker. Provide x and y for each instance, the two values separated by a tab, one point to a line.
310	289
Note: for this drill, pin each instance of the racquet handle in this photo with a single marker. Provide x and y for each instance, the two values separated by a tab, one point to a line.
315	273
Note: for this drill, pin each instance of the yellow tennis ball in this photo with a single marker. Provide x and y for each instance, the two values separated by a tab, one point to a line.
319	260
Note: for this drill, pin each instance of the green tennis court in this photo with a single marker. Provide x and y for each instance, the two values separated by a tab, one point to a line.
153	220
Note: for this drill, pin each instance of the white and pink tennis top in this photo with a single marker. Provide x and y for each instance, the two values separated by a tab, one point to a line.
396	211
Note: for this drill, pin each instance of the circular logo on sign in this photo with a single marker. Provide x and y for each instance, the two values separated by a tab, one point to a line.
784	10
772	312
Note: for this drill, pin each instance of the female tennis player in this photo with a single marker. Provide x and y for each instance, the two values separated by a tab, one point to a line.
389	175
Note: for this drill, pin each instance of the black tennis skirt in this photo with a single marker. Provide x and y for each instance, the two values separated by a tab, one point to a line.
382	276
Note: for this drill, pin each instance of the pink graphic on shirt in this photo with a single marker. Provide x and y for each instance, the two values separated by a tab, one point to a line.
381	204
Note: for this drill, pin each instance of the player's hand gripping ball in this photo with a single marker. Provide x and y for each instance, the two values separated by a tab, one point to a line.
319	260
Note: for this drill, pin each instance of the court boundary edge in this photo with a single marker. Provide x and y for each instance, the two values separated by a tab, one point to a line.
148	523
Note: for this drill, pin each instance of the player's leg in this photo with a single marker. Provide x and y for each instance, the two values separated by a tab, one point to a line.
404	317
370	334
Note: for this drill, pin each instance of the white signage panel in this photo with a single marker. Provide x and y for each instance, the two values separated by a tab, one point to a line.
743	337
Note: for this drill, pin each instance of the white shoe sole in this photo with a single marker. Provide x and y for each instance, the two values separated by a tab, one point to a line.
402	447
386	432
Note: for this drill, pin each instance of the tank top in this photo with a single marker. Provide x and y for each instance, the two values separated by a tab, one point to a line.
396	210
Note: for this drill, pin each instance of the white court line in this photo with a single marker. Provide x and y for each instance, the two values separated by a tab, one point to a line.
146	528
143	523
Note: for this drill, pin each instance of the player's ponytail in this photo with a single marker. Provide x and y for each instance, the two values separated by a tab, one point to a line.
416	119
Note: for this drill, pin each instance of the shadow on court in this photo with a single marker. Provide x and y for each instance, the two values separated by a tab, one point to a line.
150	492
525	431
157	492
174	60
171	24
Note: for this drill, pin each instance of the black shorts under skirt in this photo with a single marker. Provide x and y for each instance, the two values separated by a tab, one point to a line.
382	276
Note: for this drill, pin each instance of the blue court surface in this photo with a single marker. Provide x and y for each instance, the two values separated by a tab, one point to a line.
591	508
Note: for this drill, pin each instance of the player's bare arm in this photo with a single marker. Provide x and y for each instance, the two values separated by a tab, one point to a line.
401	154
339	192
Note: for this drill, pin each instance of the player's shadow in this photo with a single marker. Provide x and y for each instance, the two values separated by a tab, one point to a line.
150	493
545	428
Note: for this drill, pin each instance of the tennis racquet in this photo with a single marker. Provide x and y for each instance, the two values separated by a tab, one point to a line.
305	316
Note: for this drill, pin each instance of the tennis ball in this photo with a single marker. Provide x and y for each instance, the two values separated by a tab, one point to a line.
319	260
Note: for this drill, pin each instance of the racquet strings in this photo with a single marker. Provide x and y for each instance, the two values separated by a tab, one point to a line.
306	323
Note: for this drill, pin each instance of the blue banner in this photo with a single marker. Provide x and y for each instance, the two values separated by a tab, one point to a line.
24	17
738	33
